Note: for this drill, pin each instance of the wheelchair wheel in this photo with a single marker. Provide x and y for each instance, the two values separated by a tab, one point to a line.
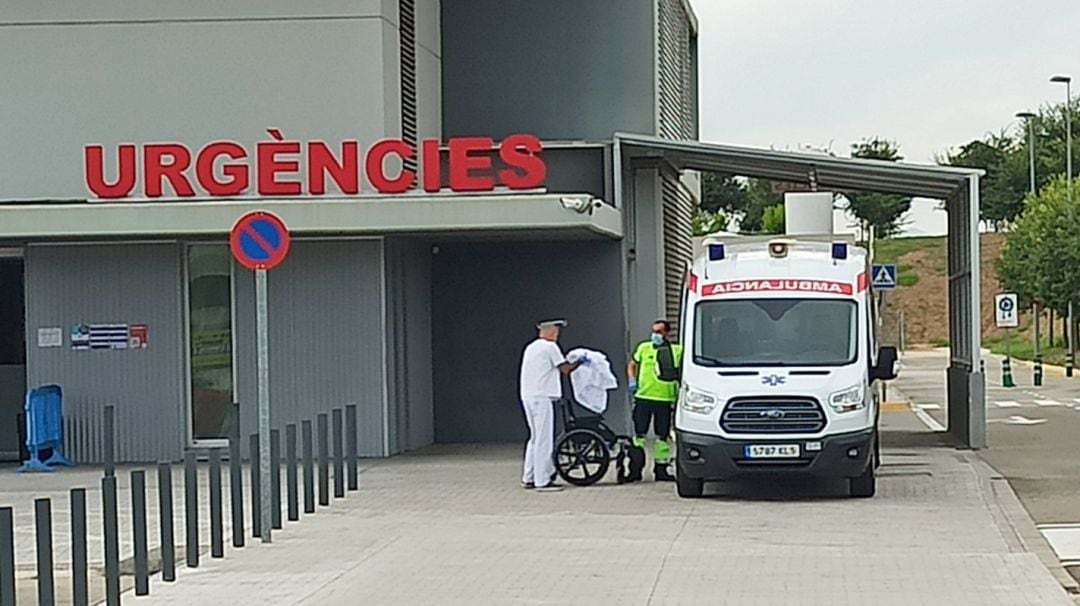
582	457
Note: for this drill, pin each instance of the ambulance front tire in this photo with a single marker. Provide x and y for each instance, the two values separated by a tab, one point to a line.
688	488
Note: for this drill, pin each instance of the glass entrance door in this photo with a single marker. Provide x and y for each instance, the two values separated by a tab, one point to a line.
210	341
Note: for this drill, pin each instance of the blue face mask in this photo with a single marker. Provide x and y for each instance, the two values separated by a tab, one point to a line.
657	339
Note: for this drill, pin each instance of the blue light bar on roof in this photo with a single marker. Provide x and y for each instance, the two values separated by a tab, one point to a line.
716	252
839	250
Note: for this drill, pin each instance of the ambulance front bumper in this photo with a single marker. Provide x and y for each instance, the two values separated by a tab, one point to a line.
706	457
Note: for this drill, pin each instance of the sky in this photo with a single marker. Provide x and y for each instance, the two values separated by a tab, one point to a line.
929	74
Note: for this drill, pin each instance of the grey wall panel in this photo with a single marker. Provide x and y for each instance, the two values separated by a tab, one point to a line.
132	284
196	72
409	360
326	337
562	69
487	298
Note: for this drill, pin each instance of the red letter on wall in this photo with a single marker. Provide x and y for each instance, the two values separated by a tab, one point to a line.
375	167
155	167
432	166
522	152
321	162
464	159
236	172
95	172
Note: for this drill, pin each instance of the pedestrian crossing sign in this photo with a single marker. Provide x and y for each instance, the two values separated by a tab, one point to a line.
883	277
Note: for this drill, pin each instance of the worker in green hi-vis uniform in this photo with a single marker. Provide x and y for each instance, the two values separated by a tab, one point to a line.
654	374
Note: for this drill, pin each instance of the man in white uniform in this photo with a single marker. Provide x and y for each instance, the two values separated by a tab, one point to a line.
542	367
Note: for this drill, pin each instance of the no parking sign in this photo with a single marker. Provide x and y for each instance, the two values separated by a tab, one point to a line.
1006	310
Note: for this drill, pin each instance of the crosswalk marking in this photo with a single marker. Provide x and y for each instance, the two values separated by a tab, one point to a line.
1007	404
930	406
1047	403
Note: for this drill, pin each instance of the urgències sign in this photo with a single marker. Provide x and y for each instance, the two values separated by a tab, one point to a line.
279	167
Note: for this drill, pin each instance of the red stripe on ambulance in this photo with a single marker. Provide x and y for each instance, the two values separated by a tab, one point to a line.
749	286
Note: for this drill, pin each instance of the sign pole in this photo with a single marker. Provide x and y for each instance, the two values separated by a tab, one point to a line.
260	242
263	390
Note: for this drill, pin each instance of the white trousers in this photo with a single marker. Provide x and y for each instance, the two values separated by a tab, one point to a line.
539	466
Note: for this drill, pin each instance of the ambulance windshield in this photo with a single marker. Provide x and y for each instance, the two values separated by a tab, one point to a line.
775	332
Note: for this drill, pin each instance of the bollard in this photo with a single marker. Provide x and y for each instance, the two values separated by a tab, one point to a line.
1069	361
165	521
309	468
256	488
1006	373
80	595
109	442
351	453
339	456
275	479
138	532
112	540
236	482
324	463
217	531
191	517
292	493
1038	371
43	522
7	557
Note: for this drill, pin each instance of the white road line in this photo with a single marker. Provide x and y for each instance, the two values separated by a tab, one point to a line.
1047	403
1065	540
1007	404
930	406
928	420
1058	525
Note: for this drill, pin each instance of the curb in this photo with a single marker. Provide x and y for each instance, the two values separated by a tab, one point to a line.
1014	522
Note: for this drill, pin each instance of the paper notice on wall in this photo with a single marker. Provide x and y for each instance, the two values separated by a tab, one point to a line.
50	337
137	336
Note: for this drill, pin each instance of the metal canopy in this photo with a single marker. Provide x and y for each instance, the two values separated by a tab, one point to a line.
959	187
827	172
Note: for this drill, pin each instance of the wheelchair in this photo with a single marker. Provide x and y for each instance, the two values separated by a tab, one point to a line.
586	447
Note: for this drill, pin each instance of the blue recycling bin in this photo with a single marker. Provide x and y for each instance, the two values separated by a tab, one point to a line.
44	412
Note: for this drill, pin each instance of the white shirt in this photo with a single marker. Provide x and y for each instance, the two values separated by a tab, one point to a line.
540	377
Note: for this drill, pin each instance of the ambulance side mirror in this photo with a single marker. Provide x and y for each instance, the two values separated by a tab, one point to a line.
886	367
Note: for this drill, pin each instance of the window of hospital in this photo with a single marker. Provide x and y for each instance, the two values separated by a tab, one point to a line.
210	346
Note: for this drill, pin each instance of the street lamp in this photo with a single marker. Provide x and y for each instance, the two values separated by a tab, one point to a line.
1067	81
1030	119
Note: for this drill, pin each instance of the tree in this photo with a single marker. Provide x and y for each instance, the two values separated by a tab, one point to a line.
744	200
883	212
706	222
722	192
773	219
1041	259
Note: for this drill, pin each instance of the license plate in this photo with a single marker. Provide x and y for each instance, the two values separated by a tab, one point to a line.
771	451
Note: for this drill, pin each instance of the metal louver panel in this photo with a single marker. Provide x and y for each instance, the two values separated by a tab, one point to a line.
675	72
407	29
678	246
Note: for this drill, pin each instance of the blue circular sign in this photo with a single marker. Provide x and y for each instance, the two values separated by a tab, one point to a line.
259	240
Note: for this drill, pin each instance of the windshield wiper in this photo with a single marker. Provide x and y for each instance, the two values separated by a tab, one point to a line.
707	361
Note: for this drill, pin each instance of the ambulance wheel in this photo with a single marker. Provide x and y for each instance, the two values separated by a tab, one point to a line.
688	488
582	457
864	486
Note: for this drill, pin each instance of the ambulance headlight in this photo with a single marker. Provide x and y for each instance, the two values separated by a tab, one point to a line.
848	400
696	400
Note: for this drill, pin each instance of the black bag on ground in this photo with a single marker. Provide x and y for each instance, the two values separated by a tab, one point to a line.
631	464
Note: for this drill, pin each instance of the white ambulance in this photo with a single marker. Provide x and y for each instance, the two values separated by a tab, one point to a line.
780	363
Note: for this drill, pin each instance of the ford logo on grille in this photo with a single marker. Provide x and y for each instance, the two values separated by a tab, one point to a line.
772	413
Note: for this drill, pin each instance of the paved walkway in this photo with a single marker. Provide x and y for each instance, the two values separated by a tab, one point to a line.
451	526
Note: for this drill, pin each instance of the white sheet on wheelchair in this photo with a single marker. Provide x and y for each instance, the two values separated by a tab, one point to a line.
591	383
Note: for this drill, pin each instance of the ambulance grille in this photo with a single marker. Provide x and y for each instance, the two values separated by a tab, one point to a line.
772	414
